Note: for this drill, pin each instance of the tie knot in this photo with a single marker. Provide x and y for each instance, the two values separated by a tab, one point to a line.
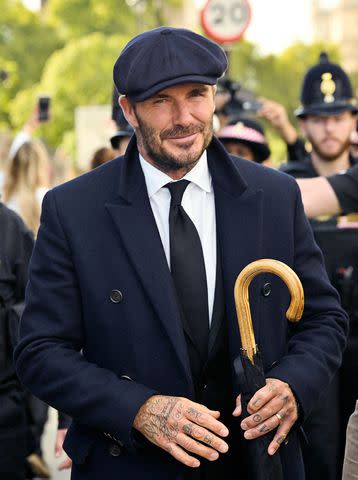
177	191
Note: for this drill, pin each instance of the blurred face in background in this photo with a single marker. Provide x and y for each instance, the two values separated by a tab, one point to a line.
329	135
239	149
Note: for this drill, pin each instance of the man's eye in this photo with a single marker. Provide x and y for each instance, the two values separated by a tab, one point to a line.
160	100
197	93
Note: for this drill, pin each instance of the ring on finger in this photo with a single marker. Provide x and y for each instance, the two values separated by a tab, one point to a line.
279	416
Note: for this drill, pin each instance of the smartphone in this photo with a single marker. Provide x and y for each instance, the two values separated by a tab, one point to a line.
251	106
44	107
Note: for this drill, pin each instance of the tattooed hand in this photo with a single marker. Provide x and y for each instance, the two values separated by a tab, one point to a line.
181	427
272	406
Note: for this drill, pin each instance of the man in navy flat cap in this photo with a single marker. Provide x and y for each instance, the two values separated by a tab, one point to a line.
130	325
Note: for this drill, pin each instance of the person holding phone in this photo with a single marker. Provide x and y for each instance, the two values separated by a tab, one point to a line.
44	108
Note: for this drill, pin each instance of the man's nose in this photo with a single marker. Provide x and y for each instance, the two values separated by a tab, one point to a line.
182	114
330	124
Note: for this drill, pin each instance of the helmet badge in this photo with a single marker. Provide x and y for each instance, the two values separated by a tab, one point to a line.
327	87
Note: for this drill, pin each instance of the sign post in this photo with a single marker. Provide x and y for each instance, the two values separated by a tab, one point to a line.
225	21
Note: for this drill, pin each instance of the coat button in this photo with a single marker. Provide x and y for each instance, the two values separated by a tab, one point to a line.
266	289
116	296
114	450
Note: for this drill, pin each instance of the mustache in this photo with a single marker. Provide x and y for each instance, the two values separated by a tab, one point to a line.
179	131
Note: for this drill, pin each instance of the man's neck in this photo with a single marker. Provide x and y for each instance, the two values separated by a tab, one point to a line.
325	168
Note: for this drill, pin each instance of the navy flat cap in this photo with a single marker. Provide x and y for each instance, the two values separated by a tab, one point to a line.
166	56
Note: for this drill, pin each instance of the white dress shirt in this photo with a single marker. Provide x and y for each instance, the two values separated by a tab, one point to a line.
198	202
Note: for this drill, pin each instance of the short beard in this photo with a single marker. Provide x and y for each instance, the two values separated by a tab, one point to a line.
330	157
162	159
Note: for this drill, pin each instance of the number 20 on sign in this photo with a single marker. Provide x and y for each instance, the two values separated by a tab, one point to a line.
225	21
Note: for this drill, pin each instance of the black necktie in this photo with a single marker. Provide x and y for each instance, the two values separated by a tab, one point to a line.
188	268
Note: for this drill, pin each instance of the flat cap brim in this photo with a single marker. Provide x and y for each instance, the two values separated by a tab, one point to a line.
164	57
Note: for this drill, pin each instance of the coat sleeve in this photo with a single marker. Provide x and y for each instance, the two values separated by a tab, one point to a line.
48	356
318	340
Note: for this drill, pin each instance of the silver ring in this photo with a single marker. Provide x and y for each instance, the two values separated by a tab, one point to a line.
280	417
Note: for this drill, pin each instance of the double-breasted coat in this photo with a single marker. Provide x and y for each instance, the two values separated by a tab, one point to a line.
102	331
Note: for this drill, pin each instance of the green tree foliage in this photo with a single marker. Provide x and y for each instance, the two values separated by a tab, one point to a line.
76	18
9	79
26	41
68	51
78	74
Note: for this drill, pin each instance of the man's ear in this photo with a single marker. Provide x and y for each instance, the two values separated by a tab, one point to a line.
128	110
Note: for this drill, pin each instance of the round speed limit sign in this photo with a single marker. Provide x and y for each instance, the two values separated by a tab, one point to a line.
225	20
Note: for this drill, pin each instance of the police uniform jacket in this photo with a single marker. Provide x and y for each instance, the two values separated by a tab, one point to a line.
304	168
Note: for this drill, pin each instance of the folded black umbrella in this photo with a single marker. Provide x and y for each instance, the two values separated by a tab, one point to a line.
248	366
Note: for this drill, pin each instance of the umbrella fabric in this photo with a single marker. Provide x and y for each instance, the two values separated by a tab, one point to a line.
250	378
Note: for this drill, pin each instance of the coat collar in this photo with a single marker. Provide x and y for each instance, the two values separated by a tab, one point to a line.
226	174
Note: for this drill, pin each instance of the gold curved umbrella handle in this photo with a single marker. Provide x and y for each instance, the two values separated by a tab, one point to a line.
241	294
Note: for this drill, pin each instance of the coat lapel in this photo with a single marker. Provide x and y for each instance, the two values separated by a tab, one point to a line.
239	221
134	220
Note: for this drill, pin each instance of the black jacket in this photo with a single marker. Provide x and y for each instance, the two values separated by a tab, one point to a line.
16	243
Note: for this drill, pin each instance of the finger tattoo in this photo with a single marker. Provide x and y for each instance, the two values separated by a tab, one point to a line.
193	412
188	429
208	439
271	387
264	428
257	402
257	418
280	439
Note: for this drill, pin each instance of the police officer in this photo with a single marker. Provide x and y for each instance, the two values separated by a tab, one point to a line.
327	117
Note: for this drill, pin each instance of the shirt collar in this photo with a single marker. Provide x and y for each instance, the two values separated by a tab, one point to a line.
155	179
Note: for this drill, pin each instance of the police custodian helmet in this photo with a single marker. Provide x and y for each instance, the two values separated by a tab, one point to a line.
326	90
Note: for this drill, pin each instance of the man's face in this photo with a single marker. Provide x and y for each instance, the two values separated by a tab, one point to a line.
329	135
239	149
174	126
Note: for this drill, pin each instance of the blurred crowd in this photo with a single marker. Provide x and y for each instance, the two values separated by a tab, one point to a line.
324	145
